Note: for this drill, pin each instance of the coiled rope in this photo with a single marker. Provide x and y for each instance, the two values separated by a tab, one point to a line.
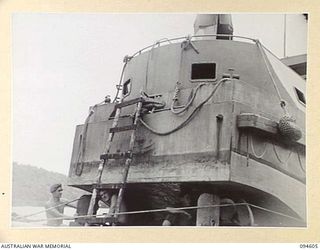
184	45
189	118
191	99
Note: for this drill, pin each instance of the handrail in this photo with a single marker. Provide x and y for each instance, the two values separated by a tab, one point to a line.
166	40
161	41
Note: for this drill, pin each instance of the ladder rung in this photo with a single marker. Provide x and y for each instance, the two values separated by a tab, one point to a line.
121	155
128	103
124	128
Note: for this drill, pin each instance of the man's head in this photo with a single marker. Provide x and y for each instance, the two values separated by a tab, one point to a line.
105	195
56	190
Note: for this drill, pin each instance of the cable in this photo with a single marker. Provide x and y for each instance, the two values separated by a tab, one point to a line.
45	210
194	112
278	157
186	106
275	212
177	90
253	151
300	163
182	208
282	102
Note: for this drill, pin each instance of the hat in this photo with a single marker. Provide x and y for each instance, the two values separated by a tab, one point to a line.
54	187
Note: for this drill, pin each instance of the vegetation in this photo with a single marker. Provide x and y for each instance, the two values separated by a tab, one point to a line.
30	185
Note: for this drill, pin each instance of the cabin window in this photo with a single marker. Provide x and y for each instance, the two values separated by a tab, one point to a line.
126	88
203	71
300	96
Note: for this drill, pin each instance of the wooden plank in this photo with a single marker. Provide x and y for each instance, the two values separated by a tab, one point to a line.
157	172
123	128
250	120
121	155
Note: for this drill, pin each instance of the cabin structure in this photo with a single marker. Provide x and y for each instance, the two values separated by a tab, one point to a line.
215	116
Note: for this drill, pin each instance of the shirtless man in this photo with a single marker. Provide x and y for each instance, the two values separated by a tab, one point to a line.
55	207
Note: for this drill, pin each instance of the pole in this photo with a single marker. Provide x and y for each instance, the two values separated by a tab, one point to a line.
284	35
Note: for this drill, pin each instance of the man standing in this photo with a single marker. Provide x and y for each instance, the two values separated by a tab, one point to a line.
55	207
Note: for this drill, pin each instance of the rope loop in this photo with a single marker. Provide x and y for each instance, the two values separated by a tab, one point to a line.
254	152
190	117
278	156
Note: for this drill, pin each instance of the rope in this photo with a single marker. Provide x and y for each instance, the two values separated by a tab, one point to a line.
177	89
45	210
251	217
191	99
253	151
179	208
184	123
282	102
275	212
278	157
300	163
144	211
184	45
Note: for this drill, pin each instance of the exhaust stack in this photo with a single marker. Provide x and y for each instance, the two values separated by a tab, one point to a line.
214	24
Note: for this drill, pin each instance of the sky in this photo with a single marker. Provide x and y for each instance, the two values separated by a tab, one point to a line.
63	63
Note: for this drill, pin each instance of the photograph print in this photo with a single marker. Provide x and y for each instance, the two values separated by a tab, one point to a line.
159	120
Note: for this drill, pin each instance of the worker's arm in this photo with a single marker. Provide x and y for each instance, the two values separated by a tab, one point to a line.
177	211
56	214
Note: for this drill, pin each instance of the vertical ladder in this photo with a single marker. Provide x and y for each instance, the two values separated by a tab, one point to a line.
128	155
